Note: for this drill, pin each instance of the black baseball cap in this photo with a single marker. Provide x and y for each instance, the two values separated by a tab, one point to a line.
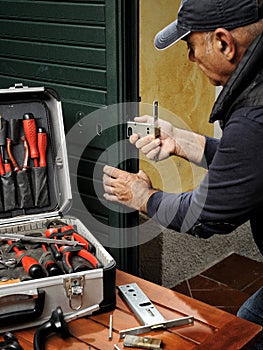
206	16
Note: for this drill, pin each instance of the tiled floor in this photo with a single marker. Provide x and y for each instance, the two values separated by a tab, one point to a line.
227	284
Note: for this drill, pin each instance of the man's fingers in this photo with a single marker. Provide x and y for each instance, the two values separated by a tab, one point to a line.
110	197
144	119
153	153
150	146
113	172
133	138
146	140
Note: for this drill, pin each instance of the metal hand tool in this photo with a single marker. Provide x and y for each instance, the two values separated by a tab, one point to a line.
2	169
30	265
57	226
17	237
26	152
10	155
30	130
48	261
8	262
70	232
68	252
42	146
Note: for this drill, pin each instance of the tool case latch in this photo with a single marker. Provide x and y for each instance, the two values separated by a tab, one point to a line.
74	287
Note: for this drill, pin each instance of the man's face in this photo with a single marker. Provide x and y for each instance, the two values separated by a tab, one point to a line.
205	52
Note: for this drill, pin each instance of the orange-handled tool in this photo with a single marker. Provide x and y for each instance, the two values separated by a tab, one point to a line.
42	146
2	169
30	265
30	130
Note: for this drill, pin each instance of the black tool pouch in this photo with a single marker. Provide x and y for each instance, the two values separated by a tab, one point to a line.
24	191
40	186
9	190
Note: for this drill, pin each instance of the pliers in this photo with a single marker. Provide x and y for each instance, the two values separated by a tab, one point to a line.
10	154
59	229
67	254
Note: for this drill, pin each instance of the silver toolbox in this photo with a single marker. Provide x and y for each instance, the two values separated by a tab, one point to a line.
27	301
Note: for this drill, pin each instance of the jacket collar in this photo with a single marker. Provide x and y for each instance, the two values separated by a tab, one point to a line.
243	76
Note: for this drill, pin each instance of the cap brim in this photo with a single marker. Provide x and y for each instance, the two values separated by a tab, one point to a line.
169	36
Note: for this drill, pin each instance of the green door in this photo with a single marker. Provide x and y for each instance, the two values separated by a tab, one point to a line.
87	51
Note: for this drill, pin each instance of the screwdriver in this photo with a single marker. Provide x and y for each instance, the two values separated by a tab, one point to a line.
30	130
50	264
2	169
42	146
30	265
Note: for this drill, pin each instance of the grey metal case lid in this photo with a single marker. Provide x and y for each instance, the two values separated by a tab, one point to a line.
46	104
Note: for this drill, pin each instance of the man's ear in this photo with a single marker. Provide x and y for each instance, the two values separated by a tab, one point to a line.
224	42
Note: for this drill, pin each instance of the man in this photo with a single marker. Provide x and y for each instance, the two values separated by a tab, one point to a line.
225	40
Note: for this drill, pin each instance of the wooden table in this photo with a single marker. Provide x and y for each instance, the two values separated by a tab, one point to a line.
212	329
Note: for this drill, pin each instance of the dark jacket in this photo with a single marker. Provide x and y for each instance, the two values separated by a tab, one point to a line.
232	191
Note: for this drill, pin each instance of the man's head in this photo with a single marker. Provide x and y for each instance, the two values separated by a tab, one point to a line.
217	33
207	16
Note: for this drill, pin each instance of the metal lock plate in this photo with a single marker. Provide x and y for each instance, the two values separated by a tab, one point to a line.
75	289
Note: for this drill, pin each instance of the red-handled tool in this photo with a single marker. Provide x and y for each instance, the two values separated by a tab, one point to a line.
71	233
7	166
26	153
67	253
42	146
53	233
2	169
10	154
30	265
49	262
30	130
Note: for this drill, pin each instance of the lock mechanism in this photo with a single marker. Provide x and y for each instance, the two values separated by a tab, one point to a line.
75	289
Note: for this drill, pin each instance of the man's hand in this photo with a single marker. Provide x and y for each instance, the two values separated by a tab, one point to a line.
126	188
161	147
172	141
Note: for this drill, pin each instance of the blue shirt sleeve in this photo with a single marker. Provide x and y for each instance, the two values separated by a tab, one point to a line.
232	188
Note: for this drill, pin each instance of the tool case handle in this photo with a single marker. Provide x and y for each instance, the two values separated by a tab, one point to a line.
24	316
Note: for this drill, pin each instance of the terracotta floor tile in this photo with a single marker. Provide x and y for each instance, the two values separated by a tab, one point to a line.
235	271
227	284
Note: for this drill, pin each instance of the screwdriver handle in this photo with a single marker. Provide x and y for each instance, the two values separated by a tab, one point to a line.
30	130
30	265
2	169
7	166
50	264
42	146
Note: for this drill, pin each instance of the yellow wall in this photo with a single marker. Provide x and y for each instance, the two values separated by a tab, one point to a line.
181	89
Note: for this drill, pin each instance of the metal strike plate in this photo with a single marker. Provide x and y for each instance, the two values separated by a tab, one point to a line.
146	312
140	304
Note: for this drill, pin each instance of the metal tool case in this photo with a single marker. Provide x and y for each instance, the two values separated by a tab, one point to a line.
30	302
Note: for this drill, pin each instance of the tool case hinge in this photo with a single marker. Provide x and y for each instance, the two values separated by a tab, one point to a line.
75	290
